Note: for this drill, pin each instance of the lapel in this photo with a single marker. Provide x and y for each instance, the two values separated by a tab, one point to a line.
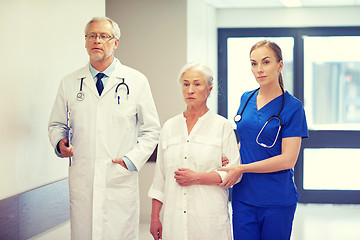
88	80
114	79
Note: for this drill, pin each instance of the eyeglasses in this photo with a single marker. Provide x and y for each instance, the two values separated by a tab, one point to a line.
103	37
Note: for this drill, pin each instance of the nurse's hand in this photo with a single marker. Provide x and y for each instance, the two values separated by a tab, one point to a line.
186	177
233	174
121	162
224	161
64	149
156	228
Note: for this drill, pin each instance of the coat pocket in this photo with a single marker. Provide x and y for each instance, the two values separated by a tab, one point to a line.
121	183
123	115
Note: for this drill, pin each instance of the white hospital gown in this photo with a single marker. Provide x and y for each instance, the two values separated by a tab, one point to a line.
198	211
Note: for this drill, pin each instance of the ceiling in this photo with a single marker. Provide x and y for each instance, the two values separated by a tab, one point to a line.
280	3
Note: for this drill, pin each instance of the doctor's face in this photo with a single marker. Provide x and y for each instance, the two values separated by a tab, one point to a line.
100	49
195	88
264	65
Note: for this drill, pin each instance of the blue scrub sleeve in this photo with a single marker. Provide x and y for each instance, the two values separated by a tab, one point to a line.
295	121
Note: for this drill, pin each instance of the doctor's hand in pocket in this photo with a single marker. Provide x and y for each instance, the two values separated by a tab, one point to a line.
121	162
65	150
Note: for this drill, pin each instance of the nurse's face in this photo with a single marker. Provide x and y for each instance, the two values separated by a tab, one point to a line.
264	65
195	88
98	49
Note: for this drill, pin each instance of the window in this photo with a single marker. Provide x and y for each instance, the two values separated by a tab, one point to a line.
322	170
332	82
322	69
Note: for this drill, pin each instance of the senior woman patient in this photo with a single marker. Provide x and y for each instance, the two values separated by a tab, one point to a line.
185	186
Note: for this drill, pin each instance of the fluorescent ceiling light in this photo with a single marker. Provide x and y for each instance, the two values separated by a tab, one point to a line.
291	3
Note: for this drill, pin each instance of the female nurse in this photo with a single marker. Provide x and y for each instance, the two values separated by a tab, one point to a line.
271	124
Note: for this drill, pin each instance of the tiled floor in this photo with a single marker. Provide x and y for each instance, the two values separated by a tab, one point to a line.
312	222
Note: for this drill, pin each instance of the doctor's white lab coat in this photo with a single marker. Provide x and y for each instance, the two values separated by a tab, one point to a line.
104	197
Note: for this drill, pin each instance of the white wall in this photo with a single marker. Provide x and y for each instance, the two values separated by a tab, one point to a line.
288	17
153	41
40	42
202	40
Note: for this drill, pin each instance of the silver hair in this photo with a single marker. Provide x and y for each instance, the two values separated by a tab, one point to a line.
205	70
115	30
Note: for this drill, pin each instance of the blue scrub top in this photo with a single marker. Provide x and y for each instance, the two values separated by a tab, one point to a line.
268	189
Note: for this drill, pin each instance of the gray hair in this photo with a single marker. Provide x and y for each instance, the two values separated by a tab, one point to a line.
205	70
115	30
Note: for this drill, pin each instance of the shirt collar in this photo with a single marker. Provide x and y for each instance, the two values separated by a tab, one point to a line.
107	71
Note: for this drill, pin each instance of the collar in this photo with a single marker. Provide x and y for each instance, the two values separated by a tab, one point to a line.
107	71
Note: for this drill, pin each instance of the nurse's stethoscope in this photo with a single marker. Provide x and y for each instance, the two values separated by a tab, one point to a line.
237	118
80	95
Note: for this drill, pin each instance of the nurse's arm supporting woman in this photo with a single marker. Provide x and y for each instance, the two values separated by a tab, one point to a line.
286	160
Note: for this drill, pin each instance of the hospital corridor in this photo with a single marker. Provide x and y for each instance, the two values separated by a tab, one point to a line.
105	75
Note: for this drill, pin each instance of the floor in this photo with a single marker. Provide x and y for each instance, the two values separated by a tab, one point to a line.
312	222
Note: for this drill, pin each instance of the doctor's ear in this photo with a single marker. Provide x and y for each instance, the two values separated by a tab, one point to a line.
116	44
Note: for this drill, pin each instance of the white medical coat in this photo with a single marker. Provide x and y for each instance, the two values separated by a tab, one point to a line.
198	211
104	197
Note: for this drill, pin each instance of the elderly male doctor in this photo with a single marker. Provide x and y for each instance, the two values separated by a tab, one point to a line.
115	128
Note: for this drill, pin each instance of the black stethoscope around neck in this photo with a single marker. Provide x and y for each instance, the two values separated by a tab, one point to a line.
117	95
80	95
238	117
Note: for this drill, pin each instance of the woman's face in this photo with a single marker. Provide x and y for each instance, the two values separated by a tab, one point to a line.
195	88
264	65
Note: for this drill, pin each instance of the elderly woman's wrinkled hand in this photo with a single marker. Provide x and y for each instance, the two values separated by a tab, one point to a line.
185	177
156	228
